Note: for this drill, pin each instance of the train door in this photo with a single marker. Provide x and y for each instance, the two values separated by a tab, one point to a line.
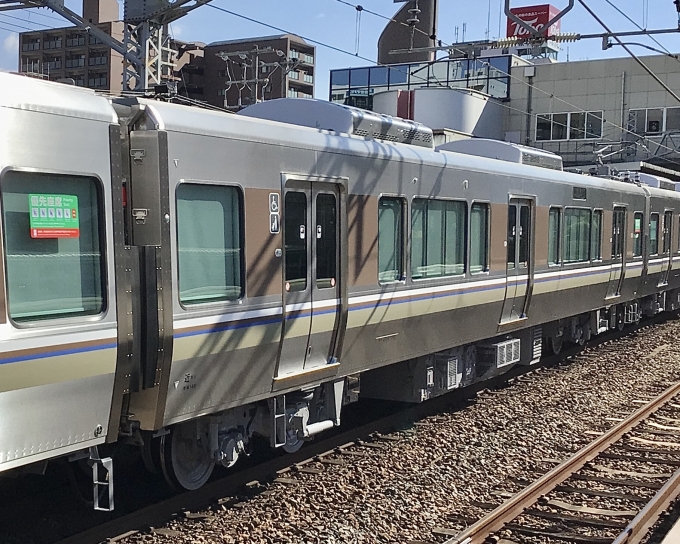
618	250
666	247
518	267
312	279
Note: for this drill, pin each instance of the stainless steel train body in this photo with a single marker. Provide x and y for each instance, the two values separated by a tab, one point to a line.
228	275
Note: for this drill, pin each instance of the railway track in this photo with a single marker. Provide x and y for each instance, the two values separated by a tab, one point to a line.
556	506
234	490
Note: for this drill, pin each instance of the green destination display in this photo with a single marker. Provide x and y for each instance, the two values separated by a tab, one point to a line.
54	216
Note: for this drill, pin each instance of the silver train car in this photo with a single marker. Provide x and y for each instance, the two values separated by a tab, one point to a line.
182	279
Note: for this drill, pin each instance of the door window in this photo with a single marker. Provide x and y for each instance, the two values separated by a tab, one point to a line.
295	234
326	241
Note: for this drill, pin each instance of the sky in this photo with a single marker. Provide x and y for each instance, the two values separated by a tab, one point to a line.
334	23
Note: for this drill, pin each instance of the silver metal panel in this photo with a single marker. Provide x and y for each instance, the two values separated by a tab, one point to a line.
52	420
57	416
24	93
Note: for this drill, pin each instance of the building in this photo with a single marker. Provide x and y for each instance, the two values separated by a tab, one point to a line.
71	54
236	73
590	112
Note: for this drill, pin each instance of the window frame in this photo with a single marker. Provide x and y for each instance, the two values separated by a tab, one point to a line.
595	212
564	235
199	306
104	249
642	235
468	211
404	236
560	243
410	239
658	232
568	125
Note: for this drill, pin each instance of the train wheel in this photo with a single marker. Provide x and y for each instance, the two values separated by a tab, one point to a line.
293	443
620	318
556	343
184	462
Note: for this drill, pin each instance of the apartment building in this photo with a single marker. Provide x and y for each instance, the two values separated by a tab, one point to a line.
236	73
70	54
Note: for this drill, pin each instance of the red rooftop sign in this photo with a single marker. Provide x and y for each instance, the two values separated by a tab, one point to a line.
535	16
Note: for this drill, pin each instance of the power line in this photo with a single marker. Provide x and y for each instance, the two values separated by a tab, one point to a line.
18	26
640	28
487	63
25	20
642	64
317	42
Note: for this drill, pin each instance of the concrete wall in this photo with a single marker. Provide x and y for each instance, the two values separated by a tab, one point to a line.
613	86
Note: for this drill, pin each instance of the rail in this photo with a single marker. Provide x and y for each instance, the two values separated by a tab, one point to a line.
516	505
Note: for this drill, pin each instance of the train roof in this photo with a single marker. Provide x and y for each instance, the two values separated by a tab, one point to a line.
192	120
30	94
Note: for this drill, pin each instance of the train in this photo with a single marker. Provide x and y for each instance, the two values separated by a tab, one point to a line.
180	280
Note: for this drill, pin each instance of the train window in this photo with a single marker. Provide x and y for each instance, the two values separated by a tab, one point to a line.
209	243
326	241
295	240
638	221
667	230
512	237
596	237
479	238
53	242
524	231
390	239
576	235
554	228
618	232
438	243
654	234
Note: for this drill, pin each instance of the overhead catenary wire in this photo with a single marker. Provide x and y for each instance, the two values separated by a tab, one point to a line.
452	47
657	42
620	42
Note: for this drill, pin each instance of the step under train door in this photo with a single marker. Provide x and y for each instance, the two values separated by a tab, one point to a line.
314	289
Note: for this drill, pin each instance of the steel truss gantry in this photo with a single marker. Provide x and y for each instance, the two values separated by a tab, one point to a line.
148	58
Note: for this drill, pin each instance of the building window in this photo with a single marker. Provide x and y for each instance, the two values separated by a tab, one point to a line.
97	80
576	235
437	238
52	223
569	126
97	59
390	239
293	74
52	63
75	40
479	238
654	120
53	43
654	234
75	61
554	229
31	44
209	246
638	221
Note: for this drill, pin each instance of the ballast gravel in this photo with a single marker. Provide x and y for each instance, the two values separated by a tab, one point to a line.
450	466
